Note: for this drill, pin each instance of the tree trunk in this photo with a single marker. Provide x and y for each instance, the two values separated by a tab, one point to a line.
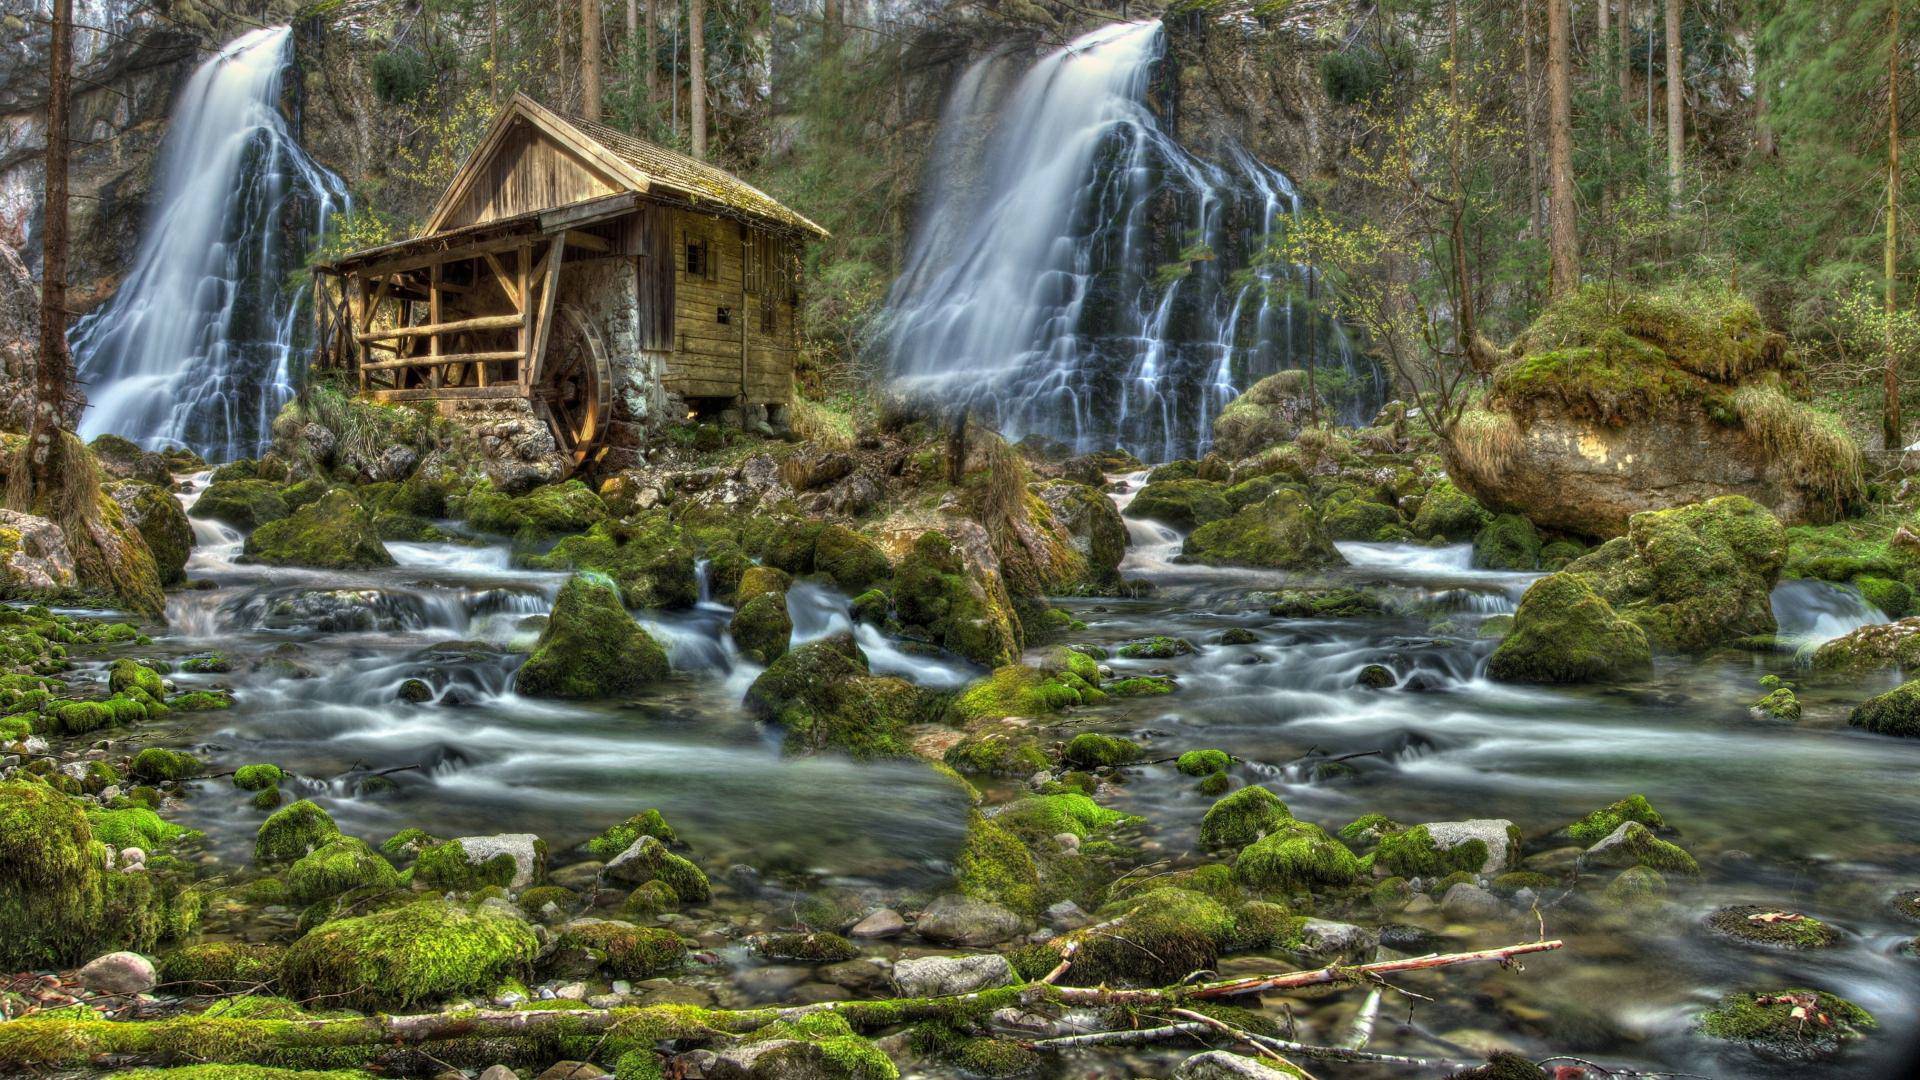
590	58
1536	172
834	20
1890	379
1624	70
1676	85
1562	246
562	65
697	74
652	60
53	379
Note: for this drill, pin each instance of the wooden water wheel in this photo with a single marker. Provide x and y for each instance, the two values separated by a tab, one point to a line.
576	384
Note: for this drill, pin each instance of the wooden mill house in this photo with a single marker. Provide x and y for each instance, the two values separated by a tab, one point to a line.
607	283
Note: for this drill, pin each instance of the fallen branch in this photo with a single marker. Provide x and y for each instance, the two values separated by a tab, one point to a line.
1124	1037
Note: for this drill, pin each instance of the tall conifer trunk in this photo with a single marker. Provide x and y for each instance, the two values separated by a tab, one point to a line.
1562	243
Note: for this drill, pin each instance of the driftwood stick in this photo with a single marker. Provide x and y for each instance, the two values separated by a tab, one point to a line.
1245	1036
1066	961
1124	1037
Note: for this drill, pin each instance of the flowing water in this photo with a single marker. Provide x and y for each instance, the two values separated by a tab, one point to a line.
1078	274
197	347
1810	816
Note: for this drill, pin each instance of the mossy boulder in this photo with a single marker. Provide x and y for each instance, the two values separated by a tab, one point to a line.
761	581
1435	851
648	859
1565	632
1894	644
625	951
1023	690
1296	858
1596	826
998	749
1281	532
52	887
1340	602
647	557
823	695
1094	750
853	562
1694	576
1364	519
341	864
1155	938
155	765
1243	817
1795	1024
293	831
761	627
422	953
1633	844
1447	513
936	592
222	967
154	512
1270	412
335	533
622	836
591	647
995	866
123	460
243	504
1183	504
1203	762
549	510
1509	542
1896	712
1092	523
1036	818
1772	927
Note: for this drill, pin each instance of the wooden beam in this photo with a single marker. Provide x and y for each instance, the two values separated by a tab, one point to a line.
447	393
543	332
443	360
590	212
506	283
588	240
523	266
478	322
372	307
433	318
421	259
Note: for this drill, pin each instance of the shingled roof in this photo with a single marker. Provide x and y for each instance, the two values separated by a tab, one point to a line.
642	166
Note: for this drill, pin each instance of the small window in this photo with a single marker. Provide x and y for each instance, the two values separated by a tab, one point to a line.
696	258
724	316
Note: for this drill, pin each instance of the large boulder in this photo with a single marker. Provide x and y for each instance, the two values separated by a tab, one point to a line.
1896	712
1271	411
1092	523
243	504
156	515
1619	402
956	604
1282	531
51	882
823	695
646	556
424	952
334	532
1894	644
1184	503
33	556
1693	576
1564	632
122	460
591	647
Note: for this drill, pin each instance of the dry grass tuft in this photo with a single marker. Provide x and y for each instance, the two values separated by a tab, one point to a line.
1485	442
821	423
1813	446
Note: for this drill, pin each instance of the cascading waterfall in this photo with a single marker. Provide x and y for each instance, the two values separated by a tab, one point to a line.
197	348
1080	275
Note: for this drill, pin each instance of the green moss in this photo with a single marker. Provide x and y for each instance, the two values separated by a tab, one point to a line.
813	947
335	533
993	865
240	1072
1565	632
1896	712
647	557
854	562
1640	847
424	952
135	826
131	677
1243	817
243	504
1156	938
1299	858
1760	925
761	627
621	837
1508	542
1598	825
1363	519
446	866
51	889
821	1045
1091	750
1019	690
333	868
257	777
998	750
194	701
590	647
1514	880
1413	853
1156	648
1184	504
627	951
268	799
1203	762
1037	817
551	510
1280	532
155	765
1139	686
219	967
934	592
533	901
823	696
652	861
1447	513
291	832
1766	1020
1333	603
1214	785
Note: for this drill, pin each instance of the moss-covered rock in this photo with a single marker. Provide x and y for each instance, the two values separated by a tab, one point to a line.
1021	690
1633	844
1565	632
52	891
1339	602
1183	504
221	967
622	836
1596	826
1155	938
648	558
1694	576
1363	519
1509	542
1296	858
157	765
823	695
1267	413
123	460
337	866
243	504
1093	525
1796	1024
1243	817
998	749
1203	762
852	561
1447	513
648	859
1035	818
334	533
1895	644
550	510
418	954
1896	712
156	514
1281	531
625	951
761	627
293	831
1770	927
935	593
1093	750
590	647
1414	852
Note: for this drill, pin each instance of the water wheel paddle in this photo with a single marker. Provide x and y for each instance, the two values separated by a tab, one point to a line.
576	384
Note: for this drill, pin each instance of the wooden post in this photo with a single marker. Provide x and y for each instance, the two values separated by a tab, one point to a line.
741	320
524	270
433	316
548	295
357	294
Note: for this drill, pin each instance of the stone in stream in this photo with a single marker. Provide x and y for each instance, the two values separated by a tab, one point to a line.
1498	834
1325	939
1468	901
956	920
591	647
1633	844
943	976
1222	1065
525	852
882	923
1777	928
119	973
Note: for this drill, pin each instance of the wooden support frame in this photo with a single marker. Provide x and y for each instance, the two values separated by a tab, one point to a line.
543	330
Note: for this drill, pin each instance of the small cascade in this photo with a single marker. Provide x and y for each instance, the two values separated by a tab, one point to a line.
1811	613
1080	275
196	348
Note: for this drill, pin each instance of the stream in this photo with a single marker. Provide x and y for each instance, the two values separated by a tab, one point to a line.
1810	816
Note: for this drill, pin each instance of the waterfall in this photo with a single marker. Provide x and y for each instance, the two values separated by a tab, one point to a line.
1078	274
196	348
